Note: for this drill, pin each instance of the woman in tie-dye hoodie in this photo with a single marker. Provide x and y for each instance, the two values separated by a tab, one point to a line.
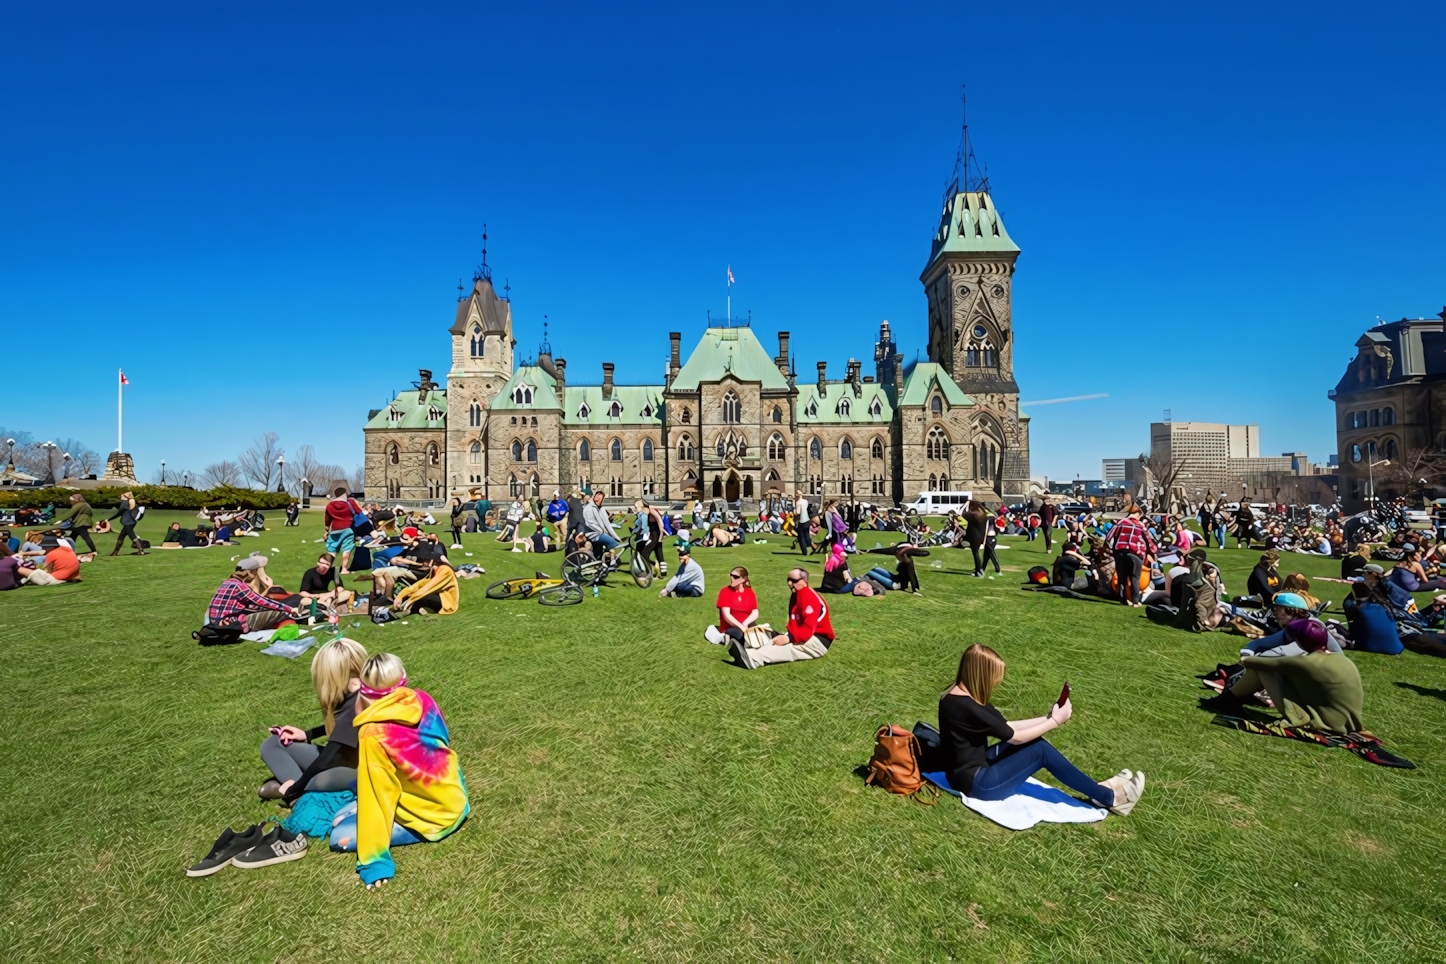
409	785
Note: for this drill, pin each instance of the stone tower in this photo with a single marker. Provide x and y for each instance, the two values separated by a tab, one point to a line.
482	348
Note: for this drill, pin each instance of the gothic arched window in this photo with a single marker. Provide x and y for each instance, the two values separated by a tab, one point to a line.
732	409
1390	448
584	451
936	406
685	417
846	449
434	456
721	448
815	449
843	407
478	342
474	414
777	415
513	489
876	449
531	450
1388	416
615	410
936	446
474	453
647	450
516	451
394	454
685	448
776	448
615	450
876	408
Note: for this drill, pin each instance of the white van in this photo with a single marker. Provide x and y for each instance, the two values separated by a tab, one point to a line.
939	503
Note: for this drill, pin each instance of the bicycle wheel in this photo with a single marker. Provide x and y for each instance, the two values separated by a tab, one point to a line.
567	594
574	566
642	573
510	589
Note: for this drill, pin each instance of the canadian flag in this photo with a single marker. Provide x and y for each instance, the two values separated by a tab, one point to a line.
124	380
730	275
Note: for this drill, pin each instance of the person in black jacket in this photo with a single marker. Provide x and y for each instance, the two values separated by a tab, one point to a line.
1264	580
129	514
297	764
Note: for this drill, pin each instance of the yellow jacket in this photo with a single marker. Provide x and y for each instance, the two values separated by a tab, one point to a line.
442	581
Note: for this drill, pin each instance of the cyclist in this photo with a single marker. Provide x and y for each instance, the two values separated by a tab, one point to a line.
598	526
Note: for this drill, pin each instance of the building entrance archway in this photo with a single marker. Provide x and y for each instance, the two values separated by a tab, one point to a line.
730	487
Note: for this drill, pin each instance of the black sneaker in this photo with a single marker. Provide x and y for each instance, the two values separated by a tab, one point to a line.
225	849
739	653
277	847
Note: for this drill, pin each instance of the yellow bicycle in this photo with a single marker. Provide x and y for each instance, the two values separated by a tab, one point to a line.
549	591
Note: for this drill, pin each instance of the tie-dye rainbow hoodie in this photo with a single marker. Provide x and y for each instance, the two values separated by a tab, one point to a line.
407	774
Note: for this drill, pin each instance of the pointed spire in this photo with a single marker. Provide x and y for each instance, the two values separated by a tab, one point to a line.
483	273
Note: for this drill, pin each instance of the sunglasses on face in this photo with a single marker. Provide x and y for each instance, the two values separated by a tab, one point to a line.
735	575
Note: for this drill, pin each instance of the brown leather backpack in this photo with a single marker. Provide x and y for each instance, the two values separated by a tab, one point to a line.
895	765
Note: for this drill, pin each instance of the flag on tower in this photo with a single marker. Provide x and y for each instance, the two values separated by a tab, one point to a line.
124	380
730	275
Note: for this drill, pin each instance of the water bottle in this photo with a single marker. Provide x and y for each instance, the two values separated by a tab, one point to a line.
594	592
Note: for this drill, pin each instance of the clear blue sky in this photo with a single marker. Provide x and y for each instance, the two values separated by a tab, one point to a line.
262	213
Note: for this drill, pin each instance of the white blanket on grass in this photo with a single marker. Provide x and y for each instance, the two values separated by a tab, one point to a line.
1034	803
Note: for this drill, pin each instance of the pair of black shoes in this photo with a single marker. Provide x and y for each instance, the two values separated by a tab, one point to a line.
253	847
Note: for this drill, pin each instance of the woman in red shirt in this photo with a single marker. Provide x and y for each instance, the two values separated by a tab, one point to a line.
737	609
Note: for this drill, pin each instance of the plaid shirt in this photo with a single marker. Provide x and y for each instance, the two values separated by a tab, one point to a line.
1130	535
234	600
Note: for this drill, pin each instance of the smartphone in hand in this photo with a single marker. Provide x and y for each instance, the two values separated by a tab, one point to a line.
1063	695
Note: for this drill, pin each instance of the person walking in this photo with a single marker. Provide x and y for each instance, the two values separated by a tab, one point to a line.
1131	543
81	517
1048	516
129	514
801	523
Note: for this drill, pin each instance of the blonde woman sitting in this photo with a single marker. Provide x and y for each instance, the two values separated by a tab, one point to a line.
297	765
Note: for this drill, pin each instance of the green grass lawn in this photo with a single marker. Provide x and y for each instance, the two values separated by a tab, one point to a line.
634	796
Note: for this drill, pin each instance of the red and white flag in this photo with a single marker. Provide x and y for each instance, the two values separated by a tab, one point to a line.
730	275
124	380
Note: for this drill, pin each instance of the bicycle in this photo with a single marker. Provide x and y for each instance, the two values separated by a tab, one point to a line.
522	588
582	568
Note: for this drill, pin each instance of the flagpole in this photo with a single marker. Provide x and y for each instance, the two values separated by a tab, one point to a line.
118	385
730	296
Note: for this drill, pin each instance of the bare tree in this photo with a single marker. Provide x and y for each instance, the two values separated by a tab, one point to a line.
258	462
357	479
1165	473
1414	470
83	459
224	472
306	465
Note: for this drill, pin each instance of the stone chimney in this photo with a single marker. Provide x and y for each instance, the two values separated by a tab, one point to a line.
675	357
424	384
561	366
782	360
822	379
898	378
607	379
852	378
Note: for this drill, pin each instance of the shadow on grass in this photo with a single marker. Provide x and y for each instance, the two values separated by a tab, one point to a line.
1423	690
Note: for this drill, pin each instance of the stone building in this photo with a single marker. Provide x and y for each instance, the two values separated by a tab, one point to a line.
1390	406
730	421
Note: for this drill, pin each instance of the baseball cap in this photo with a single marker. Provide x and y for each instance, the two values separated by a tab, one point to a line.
1372	567
1408	547
252	561
411	532
1293	600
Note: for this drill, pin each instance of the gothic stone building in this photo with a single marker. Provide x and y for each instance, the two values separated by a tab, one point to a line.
730	421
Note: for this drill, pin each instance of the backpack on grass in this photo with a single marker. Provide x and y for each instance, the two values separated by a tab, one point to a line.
217	635
895	765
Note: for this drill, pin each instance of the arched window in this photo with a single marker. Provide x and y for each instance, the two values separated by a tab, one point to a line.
846	449
685	416
615	450
647	450
1388	416
584	451
394	415
1371	449
522	395
394	454
936	406
478	342
513	489
1375	417
434	414
732	409
474	453
685	448
944	483
434	456
748	487
815	449
717	487
535	484
811	410
876	449
531	450
776	448
583	411
615	410
843	407
933	482
777	415
988	459
474	414
1390	449
516	451
1355	453
721	448
876	408
936	445
534	421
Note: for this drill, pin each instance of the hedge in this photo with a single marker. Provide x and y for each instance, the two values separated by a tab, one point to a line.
152	496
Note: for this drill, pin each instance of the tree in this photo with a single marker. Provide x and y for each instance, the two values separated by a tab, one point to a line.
1165	474
222	473
1414	470
84	460
357	479
306	465
258	463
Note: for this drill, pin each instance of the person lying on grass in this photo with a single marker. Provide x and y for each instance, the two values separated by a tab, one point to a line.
297	765
967	720
409	783
906	578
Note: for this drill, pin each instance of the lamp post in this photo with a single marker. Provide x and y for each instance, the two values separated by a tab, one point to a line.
1371	474
65	470
49	448
186	478
281	472
10	457
163	471
305	485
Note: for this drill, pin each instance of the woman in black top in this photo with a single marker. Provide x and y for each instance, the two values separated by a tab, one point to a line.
967	720
298	765
1264	580
459	512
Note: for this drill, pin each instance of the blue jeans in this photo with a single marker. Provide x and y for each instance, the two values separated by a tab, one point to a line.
604	540
883	576
1220	536
343	832
1008	765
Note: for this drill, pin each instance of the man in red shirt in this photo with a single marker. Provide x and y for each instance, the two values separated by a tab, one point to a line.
340	541
809	635
1132	544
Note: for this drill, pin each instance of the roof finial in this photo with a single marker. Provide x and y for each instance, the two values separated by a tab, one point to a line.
507	291
969	174
461	292
484	273
546	347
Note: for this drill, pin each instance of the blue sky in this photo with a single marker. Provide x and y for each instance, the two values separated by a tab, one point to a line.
262	212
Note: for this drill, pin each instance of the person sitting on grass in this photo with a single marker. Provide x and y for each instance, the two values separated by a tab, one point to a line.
598	526
1318	689
967	720
297	765
407	566
435	592
1372	616
808	636
906	578
1298	583
12	576
58	567
687	579
836	576
1264	580
409	782
1411	576
737	609
81	518
237	606
340	540
319	582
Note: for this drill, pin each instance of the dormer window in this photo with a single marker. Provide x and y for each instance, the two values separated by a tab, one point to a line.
812	409
615	410
583	412
875	409
647	411
393	415
434	414
522	395
843	407
936	406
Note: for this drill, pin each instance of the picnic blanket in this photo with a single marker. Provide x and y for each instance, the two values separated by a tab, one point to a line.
313	812
1034	803
1364	745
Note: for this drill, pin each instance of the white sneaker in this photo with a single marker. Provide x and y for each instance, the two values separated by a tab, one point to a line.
456	545
715	636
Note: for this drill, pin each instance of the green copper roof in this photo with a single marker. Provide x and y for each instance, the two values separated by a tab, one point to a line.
971	225
920	380
405	411
729	351
813	410
543	385
586	406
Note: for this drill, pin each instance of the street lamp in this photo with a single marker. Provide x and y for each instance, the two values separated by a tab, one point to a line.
1371	474
281	472
10	458
305	485
186	478
50	448
163	471
66	470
